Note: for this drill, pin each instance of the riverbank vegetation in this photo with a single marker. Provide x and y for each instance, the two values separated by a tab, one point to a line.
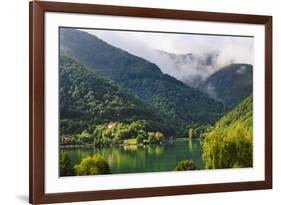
65	165
91	165
186	165
230	143
137	132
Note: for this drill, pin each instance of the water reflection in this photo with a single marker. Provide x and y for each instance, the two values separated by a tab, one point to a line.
147	158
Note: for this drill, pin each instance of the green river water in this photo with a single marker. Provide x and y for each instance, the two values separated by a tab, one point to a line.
137	159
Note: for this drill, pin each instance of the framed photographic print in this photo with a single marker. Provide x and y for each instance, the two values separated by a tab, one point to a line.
138	102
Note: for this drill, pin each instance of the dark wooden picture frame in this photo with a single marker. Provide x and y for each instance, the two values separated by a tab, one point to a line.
37	193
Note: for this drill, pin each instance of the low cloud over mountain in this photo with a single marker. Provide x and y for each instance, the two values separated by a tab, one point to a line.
188	57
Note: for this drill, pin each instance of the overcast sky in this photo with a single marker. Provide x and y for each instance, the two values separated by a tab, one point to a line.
145	44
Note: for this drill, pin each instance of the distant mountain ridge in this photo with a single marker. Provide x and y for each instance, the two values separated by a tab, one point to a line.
230	85
175	101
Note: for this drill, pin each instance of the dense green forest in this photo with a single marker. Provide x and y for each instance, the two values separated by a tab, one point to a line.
87	100
230	85
230	143
178	104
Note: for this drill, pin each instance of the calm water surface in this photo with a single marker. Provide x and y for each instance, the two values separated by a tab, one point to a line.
148	158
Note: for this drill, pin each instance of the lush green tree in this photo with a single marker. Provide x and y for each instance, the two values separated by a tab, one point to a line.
230	143
98	134
190	132
185	165
155	137
65	165
141	136
151	137
159	136
92	165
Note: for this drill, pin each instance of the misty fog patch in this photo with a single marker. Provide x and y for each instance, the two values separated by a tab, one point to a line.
242	70
211	91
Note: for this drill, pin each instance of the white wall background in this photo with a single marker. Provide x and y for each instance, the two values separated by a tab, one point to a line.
14	100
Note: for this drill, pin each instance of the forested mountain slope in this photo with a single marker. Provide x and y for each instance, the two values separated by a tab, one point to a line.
177	103
87	100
